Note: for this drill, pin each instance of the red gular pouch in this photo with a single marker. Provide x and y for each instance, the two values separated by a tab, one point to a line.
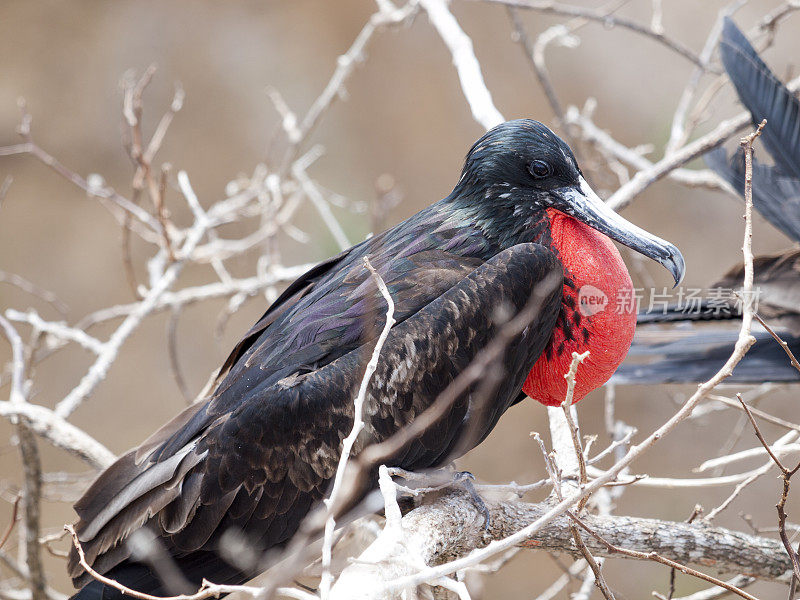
597	313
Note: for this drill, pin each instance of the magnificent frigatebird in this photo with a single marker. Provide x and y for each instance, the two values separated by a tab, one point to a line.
776	195
261	450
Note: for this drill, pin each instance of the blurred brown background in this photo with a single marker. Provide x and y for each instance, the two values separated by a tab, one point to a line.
404	115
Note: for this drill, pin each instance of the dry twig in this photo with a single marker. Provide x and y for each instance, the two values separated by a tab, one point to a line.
358	425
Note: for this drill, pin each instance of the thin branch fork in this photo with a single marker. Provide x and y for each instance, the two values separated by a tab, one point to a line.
566	406
594	564
386	15
655	556
97	191
596	573
100	367
644	178
606	144
566	10
569	456
786	475
105	193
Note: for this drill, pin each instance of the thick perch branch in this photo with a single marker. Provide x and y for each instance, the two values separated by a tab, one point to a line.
452	526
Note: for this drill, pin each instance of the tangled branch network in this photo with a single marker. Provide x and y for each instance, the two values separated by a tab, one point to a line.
443	546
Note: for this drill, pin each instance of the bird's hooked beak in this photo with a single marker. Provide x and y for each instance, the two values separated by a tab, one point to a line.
585	206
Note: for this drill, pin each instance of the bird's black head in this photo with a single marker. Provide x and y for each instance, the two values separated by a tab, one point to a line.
520	168
522	154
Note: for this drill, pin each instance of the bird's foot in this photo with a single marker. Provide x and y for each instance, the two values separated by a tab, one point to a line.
417	484
465	479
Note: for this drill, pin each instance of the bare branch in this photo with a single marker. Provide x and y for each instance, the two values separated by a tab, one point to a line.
32	467
34	290
167	300
594	565
59	330
566	406
321	204
345	65
60	433
654	556
358	425
783	344
760	436
759	413
469	70
12	521
786	474
567	10
97	191
643	179
632	156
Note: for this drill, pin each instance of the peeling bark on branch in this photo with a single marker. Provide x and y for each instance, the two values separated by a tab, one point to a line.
451	526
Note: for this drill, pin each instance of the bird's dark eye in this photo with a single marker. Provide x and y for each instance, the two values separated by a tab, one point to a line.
540	169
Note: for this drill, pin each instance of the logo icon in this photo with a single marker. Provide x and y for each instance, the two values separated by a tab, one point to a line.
591	300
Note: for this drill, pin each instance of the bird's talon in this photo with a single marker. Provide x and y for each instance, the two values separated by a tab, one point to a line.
465	479
463	476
